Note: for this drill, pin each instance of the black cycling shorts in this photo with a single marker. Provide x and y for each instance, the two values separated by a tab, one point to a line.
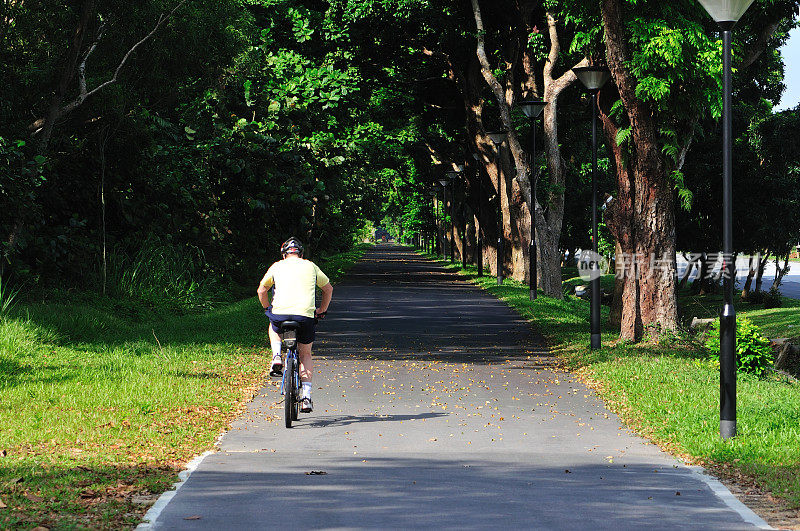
308	325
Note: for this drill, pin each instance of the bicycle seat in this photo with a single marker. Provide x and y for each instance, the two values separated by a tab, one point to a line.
290	325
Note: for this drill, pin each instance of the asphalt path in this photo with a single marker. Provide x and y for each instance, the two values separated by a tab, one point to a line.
437	406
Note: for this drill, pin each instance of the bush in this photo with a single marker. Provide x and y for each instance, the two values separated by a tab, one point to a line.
163	275
772	298
753	352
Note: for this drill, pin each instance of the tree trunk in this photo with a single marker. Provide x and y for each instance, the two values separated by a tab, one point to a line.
762	264
615	315
66	76
690	265
650	297
751	272
780	272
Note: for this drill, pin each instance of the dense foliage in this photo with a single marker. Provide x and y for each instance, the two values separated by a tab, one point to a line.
235	124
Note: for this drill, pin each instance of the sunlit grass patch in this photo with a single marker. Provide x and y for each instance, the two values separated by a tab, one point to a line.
99	405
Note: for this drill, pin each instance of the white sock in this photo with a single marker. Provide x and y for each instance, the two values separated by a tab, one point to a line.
306	389
276	349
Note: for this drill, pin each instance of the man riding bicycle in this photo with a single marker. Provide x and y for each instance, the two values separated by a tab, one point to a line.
295	280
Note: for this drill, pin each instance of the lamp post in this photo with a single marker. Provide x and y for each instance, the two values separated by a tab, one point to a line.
533	109
727	13
479	228
452	176
498	137
593	78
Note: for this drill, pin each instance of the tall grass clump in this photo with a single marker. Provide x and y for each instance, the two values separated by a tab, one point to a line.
7	297
163	275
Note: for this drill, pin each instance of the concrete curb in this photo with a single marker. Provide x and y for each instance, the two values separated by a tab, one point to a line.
153	513
722	492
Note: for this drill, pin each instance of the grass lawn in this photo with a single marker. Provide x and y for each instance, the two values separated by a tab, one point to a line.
667	393
101	402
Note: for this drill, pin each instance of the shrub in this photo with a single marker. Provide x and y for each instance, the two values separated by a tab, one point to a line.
772	298
753	352
163	275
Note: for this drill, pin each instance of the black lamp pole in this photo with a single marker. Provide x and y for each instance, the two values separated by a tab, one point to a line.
498	137
533	109
479	227
593	78
727	13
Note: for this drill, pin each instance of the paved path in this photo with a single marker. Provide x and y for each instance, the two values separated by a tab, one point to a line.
436	407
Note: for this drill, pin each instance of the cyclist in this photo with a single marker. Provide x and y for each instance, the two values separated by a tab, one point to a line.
294	279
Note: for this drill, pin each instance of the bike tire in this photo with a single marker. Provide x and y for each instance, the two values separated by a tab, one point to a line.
297	390
289	398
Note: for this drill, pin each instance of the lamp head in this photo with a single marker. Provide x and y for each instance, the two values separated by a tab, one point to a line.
453	175
726	13
532	108
443	182
498	137
592	77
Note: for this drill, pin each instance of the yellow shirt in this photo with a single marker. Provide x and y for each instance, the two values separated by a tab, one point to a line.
294	279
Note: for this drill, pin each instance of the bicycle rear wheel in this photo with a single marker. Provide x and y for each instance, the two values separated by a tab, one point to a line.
289	398
297	391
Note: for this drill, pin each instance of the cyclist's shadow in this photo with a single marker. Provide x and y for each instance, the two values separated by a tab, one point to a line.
345	420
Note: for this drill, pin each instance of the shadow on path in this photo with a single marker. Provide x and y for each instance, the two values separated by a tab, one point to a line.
321	421
396	305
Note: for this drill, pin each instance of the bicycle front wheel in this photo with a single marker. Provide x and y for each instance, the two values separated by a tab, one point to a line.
289	391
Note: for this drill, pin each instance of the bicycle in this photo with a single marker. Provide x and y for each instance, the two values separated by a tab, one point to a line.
290	382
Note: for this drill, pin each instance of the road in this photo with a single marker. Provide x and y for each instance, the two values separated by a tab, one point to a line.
437	406
790	286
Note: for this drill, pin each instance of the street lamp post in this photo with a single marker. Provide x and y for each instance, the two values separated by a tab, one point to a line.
593	78
479	228
533	109
498	137
727	13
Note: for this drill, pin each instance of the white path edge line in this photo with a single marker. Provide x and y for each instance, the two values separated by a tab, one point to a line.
154	512
730	500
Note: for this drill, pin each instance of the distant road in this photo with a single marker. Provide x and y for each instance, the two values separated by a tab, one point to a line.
790	286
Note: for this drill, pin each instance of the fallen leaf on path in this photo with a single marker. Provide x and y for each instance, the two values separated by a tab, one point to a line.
195	517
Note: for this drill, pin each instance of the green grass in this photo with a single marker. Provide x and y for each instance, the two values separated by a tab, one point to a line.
100	401
667	393
774	322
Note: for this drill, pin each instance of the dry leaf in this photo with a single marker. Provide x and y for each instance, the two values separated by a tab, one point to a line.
195	517
2	505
